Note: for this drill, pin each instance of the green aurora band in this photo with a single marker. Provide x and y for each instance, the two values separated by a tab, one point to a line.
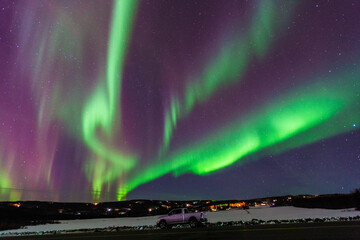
228	65
6	187
298	118
100	111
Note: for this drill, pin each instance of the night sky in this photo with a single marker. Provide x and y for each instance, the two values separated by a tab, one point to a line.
178	99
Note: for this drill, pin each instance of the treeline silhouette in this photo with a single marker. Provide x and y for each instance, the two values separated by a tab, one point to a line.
333	201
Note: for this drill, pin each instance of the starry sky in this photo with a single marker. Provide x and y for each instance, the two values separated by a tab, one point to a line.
181	99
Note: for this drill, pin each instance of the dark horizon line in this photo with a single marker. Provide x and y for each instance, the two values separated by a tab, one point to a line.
188	200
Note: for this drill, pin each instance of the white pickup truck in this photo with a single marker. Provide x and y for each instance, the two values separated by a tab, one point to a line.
181	216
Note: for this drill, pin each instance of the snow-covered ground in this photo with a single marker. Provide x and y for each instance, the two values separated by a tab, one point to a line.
265	214
278	213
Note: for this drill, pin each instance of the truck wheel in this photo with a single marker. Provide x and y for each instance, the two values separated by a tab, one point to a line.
193	223
163	225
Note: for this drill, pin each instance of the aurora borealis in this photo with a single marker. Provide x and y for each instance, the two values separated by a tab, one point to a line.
110	100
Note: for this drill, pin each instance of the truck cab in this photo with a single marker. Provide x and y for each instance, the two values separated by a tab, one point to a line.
181	216
177	216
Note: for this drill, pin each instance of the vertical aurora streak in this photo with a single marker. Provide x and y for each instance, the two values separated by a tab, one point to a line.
102	106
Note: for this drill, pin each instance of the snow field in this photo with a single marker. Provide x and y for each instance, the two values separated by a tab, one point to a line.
265	214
